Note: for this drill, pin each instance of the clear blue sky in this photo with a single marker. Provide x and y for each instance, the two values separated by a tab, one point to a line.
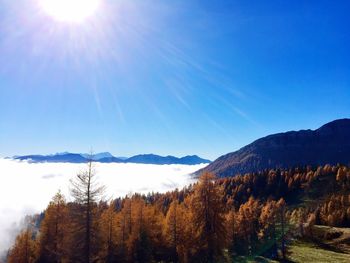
170	77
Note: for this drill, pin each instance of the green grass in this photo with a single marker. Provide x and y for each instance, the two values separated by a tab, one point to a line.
255	260
304	252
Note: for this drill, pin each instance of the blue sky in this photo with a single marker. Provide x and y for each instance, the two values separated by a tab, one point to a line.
170	77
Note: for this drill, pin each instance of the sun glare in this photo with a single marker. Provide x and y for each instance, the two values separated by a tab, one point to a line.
70	10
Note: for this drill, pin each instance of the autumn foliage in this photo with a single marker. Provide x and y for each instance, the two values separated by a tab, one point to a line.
214	220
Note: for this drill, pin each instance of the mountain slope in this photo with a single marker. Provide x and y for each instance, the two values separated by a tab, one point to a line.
328	144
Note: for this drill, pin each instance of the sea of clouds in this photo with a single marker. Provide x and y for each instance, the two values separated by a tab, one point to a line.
26	188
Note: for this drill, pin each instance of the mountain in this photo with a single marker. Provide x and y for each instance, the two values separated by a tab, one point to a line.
151	159
122	158
329	144
193	159
97	156
111	159
156	159
106	157
56	158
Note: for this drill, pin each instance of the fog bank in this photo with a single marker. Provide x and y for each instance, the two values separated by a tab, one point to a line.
27	188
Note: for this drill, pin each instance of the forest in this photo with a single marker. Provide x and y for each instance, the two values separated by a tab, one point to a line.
214	220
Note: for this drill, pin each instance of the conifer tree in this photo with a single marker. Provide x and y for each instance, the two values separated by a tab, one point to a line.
108	232
53	231
268	218
86	192
24	249
208	217
282	215
172	229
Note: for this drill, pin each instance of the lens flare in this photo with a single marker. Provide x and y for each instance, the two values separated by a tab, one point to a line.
70	10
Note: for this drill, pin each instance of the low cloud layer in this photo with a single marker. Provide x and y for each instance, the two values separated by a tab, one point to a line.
27	188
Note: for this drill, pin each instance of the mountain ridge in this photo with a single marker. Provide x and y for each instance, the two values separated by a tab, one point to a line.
328	144
106	157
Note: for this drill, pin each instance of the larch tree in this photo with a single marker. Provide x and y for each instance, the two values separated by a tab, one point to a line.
24	249
108	230
231	228
124	228
172	229
248	226
53	231
139	243
186	241
282	216
86	192
154	218
268	232
207	209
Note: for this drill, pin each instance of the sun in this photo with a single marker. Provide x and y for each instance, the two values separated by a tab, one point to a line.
69	10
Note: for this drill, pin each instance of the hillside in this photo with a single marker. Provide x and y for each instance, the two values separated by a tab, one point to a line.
328	144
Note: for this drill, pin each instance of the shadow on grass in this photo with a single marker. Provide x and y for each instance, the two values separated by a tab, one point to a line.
320	244
259	259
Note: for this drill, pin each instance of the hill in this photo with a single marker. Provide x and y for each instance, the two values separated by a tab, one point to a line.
330	144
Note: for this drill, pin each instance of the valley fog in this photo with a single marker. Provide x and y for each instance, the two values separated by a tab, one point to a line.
27	188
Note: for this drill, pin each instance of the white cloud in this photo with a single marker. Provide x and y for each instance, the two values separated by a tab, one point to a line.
26	188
